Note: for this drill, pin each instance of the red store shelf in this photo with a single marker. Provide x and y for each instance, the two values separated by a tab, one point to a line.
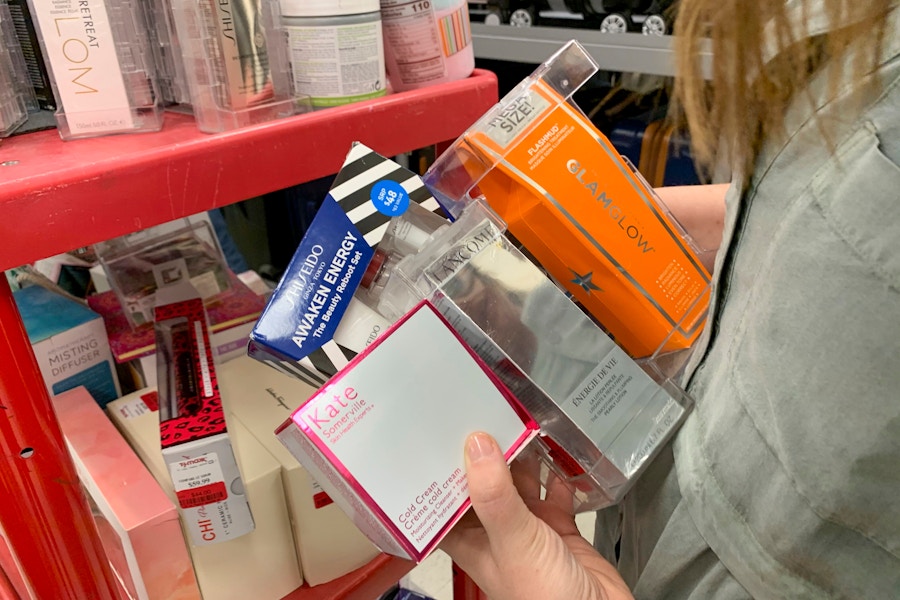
56	196
366	583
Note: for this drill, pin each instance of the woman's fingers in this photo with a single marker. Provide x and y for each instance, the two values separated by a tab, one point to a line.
509	524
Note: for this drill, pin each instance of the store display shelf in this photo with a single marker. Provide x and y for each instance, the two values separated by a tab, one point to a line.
628	52
56	196
366	583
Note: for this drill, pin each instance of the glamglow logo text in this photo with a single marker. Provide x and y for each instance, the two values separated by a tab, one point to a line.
616	213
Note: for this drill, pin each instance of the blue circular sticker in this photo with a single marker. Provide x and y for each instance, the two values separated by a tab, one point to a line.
389	198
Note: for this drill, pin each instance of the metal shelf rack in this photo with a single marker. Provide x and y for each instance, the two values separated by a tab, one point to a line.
628	52
56	196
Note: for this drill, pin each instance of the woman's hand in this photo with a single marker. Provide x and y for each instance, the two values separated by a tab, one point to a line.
521	547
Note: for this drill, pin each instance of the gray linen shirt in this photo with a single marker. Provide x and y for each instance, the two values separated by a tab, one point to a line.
785	480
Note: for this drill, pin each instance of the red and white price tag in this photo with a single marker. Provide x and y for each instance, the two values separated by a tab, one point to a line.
320	498
199	480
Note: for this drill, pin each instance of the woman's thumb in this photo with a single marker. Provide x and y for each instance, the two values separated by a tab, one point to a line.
504	516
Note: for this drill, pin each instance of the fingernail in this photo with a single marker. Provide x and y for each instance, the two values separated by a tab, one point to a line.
480	446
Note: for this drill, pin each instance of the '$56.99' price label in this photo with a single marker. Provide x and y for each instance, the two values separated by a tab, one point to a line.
199	480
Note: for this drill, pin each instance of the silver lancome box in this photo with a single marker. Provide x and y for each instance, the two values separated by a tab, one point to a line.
603	415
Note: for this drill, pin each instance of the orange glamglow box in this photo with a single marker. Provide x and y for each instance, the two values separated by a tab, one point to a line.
580	209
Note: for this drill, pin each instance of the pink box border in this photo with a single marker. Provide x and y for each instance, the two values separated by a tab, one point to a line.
531	430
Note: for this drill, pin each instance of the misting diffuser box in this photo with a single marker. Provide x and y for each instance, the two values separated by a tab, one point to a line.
385	436
69	343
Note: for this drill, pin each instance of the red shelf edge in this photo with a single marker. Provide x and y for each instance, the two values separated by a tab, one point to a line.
366	583
62	195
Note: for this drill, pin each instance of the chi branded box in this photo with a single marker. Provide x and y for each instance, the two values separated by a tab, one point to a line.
261	564
580	209
138	523
231	318
298	330
69	342
385	436
328	543
192	427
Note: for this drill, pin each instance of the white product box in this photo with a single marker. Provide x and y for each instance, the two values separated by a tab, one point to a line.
385	436
69	342
192	427
261	564
328	543
101	68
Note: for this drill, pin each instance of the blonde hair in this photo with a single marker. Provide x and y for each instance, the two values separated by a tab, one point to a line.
763	58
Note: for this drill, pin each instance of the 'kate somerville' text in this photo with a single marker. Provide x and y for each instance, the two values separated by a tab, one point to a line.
334	416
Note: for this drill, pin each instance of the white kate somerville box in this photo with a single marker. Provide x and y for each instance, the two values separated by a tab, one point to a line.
328	543
385	436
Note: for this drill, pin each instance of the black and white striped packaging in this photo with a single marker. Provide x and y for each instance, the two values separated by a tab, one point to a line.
272	339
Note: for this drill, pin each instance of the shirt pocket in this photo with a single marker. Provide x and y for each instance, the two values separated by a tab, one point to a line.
858	193
817	350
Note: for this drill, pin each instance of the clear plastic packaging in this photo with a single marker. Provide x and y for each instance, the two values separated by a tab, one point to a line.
406	234
603	415
31	50
173	86
579	209
16	94
101	66
235	62
139	264
426	43
319	317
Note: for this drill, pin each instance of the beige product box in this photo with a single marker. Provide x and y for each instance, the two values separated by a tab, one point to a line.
261	564
329	544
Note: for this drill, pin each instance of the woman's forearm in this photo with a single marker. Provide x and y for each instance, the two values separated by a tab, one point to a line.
701	211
